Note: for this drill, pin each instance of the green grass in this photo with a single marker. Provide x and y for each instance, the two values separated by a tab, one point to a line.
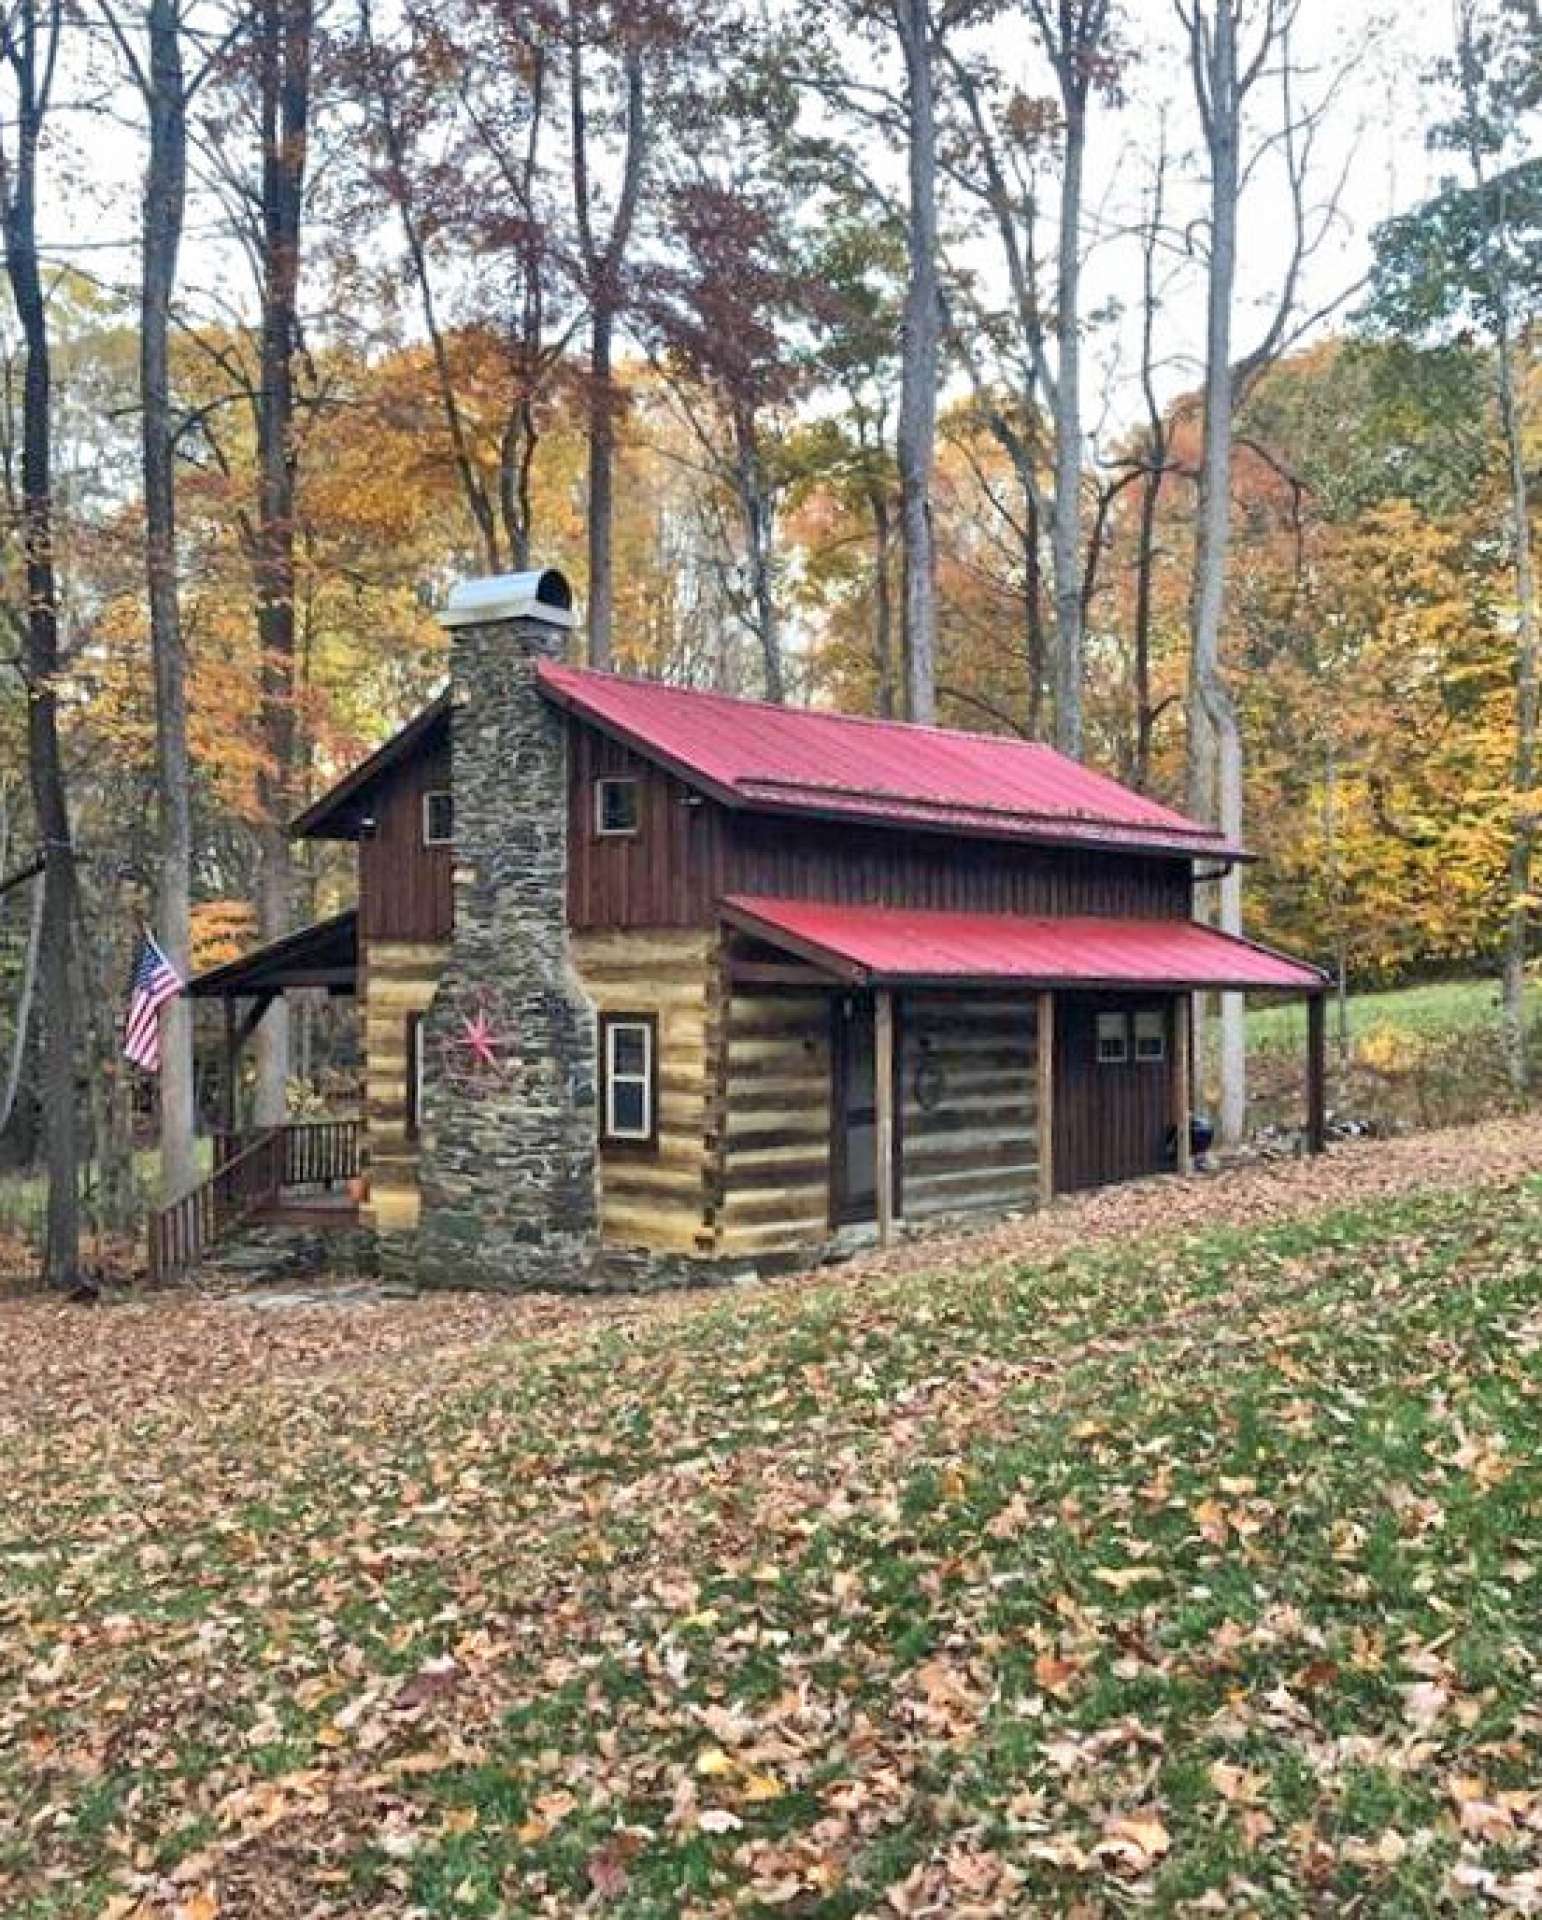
1432	1008
1198	1574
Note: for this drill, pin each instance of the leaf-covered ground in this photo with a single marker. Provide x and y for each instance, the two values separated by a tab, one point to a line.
1065	1569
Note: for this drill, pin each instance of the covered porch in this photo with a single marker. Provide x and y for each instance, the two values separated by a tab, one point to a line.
990	1061
296	1174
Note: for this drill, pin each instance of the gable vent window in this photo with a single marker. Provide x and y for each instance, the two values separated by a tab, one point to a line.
617	806
438	818
1113	1039
629	1045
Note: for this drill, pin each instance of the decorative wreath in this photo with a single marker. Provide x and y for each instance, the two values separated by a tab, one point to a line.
928	1084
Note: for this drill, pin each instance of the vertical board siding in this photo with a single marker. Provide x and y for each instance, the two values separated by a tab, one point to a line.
405	887
397	981
655	1194
1111	1122
970	1124
660	876
774	1147
689	851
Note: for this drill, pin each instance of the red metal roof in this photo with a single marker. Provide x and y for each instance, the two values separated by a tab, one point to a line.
788	759
897	944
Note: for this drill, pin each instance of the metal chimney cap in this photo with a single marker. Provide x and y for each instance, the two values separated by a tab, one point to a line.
541	594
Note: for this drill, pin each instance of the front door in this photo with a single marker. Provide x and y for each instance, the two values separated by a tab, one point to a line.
854	1112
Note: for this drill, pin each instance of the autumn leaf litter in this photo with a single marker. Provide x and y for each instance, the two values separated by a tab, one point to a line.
1068	1566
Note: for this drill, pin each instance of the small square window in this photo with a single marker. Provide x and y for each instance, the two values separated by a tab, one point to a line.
1113	1039
617	807
627	1059
438	818
1151	1036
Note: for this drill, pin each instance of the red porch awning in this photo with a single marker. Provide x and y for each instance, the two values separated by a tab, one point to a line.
899	946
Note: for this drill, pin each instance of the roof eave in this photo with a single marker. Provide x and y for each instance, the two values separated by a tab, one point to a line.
320	820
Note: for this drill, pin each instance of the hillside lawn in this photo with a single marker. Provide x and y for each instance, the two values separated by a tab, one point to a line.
1181	1548
1432	1008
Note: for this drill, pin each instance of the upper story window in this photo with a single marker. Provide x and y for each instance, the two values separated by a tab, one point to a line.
617	806
438	818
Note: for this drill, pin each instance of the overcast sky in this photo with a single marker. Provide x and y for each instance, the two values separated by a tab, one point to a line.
1374	139
1372	153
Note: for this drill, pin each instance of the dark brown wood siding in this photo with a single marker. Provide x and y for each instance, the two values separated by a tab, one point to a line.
404	887
690	851
1111	1122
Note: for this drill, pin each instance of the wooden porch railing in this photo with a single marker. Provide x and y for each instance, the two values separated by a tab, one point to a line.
317	1153
250	1172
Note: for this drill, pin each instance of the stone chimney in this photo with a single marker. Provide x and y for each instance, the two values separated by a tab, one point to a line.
509	1157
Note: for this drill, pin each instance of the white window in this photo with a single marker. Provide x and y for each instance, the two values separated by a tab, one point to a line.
1151	1036
616	806
438	818
629	1077
1113	1039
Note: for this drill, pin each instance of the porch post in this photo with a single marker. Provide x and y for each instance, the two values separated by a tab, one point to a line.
1045	1049
231	1048
883	1100
1183	1095
1316	1074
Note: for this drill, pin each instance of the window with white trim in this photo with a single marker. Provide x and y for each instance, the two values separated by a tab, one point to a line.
629	1060
617	806
438	817
1151	1035
1113	1038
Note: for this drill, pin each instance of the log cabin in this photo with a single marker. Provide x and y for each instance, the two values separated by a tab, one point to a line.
659	976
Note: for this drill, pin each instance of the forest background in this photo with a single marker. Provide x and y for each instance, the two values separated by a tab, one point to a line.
1160	380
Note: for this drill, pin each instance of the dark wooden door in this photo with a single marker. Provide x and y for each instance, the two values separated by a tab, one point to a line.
1112	1116
854	1111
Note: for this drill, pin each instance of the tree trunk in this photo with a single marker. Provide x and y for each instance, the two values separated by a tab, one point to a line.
917	435
30	50
1066	530
1215	746
883	603
1523	830
285	65
602	264
602	478
1145	567
165	203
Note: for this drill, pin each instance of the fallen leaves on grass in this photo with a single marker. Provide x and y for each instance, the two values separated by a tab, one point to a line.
1154	1571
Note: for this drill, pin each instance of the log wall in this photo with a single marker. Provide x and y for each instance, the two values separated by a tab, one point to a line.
969	1122
772	1123
396	981
656	1194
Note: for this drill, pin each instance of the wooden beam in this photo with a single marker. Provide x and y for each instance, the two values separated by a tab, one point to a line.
767	973
1316	1074
883	1098
1183	1088
1045	1049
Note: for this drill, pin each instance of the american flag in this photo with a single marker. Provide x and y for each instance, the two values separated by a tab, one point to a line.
155	981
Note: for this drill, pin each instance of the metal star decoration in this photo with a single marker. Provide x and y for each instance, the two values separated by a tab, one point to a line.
481	1043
